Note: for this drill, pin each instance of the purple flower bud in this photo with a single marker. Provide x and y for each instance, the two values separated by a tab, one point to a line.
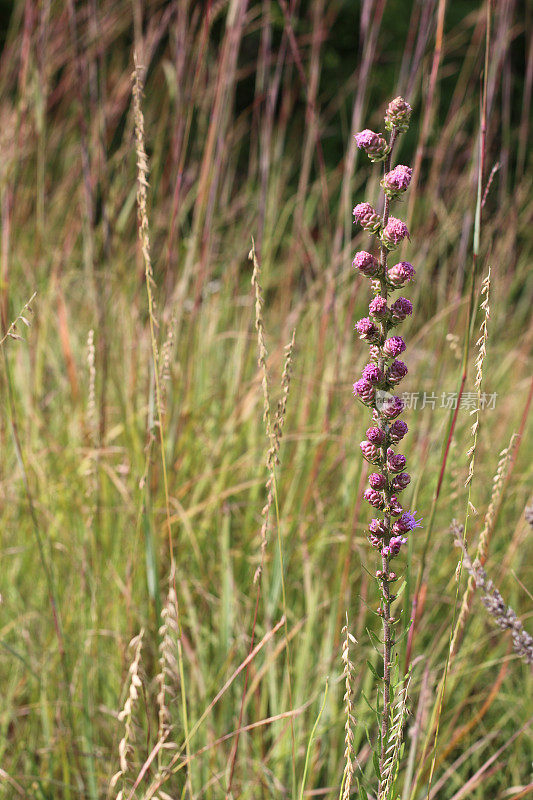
367	216
398	114
366	264
378	307
375	435
401	309
392	406
373	144
373	374
401	481
393	233
396	462
369	451
377	526
396	181
394	545
374	498
406	523
367	330
395	506
374	540
400	274
376	480
374	353
393	346
396	372
364	390
397	431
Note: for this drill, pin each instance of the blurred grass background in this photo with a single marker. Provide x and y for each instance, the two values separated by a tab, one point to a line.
250	109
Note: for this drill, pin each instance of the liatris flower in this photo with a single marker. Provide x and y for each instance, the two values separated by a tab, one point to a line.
393	347
374	498
395	507
401	309
373	374
398	114
367	330
376	480
387	534
375	435
367	216
401	481
377	527
406	523
394	545
370	451
397	431
396	371
378	307
373	144
395	461
366	264
397	181
394	232
391	407
400	274
364	390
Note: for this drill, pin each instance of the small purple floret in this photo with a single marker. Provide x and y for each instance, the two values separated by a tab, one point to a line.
378	307
392	407
397	430
366	264
376	480
394	546
374	498
394	346
373	374
364	390
400	274
366	329
394	232
375	435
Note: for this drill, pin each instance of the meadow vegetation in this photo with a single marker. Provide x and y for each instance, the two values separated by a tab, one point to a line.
140	437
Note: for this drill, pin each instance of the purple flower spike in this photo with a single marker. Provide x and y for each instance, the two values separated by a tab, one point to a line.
401	309
367	330
364	390
392	407
393	346
373	144
376	436
366	264
396	372
394	232
374	498
400	274
398	114
367	216
394	546
397	431
370	451
396	462
396	181
377	481
378	307
401	481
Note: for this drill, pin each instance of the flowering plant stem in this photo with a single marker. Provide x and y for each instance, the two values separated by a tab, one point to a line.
385	584
381	375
